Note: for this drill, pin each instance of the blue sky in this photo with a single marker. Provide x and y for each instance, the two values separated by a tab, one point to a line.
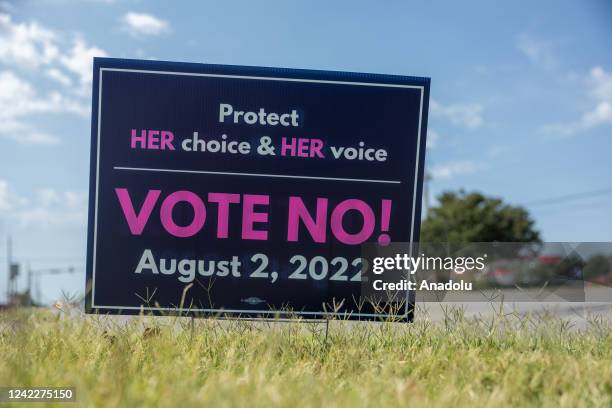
521	97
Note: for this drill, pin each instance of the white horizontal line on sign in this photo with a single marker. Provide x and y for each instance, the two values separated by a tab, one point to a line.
225	173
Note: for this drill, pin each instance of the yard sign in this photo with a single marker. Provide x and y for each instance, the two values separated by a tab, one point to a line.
247	191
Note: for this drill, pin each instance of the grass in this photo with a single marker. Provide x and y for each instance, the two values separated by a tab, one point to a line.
506	360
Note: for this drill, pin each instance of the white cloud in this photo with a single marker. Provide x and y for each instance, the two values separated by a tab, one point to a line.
466	115
432	139
26	135
599	84
602	113
55	209
9	199
34	46
48	208
537	51
59	76
455	168
144	24
19	99
48	196
71	200
26	44
45	53
5	196
79	61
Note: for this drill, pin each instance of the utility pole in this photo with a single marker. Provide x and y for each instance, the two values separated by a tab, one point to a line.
30	300
35	274
426	181
9	263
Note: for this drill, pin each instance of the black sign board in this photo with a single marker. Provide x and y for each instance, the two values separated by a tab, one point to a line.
246	191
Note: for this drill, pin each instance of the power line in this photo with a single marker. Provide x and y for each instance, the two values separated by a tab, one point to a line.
570	197
55	271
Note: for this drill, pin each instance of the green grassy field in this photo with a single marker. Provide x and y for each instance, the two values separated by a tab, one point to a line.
502	361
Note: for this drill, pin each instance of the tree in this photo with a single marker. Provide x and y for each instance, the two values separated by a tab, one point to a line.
597	266
472	217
